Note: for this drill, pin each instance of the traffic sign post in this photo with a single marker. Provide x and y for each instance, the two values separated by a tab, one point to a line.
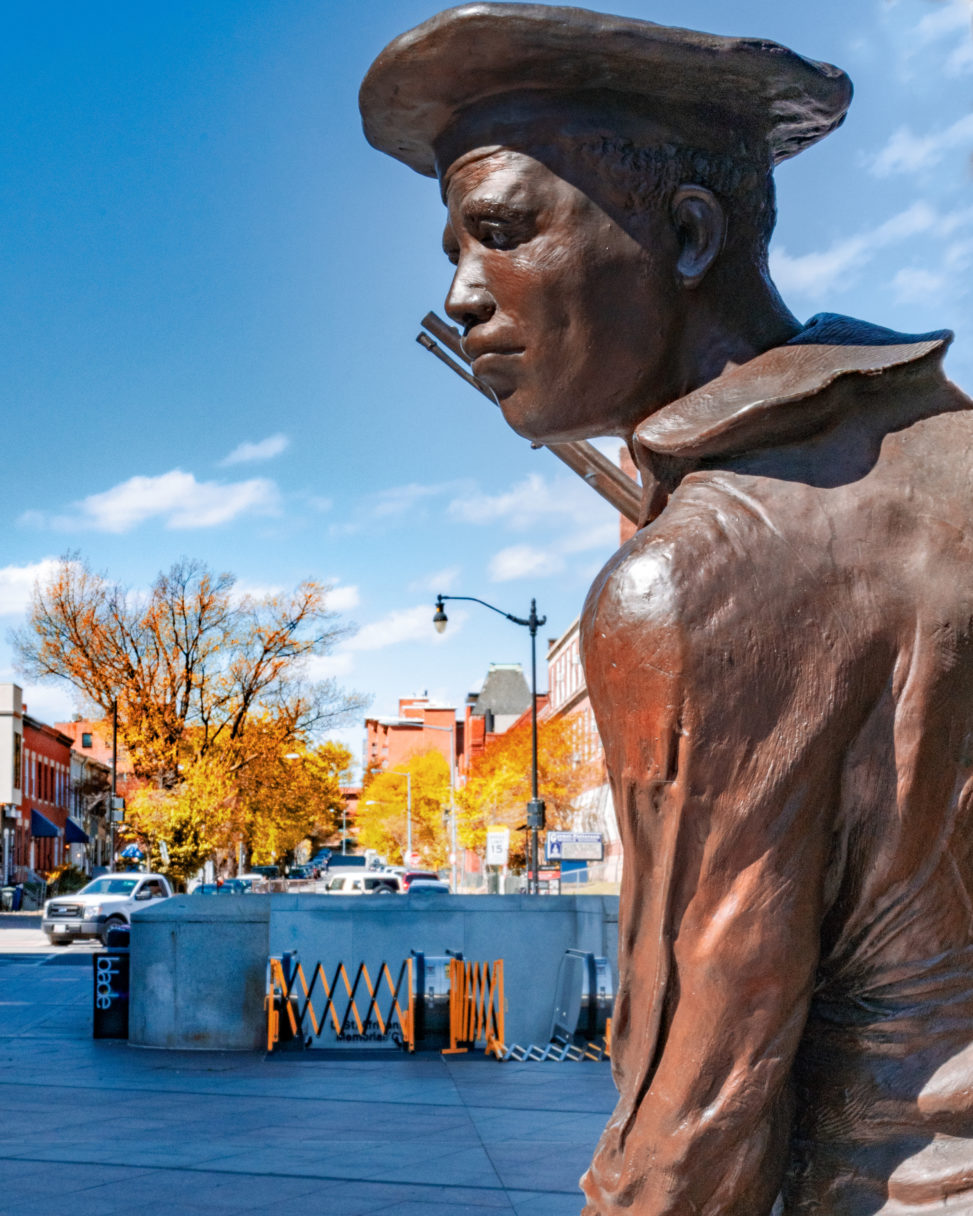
498	845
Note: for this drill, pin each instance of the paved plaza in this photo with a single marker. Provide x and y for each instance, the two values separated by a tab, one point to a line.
102	1128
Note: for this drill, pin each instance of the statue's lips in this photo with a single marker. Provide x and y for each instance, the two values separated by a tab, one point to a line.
494	359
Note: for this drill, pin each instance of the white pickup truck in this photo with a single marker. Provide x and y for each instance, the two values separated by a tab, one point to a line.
103	904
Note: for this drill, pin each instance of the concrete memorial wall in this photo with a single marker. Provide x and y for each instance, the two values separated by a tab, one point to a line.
199	964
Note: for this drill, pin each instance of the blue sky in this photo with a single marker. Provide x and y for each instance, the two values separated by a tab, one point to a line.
211	287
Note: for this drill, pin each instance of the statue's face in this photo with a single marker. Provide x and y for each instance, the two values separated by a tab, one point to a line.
568	318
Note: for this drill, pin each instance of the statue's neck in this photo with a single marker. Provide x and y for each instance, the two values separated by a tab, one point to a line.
725	328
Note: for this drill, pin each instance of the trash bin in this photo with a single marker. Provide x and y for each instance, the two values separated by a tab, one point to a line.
111	973
7	898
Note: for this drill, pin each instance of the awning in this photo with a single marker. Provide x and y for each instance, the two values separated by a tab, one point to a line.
74	833
40	825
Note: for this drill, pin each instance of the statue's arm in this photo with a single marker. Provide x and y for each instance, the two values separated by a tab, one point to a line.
717	748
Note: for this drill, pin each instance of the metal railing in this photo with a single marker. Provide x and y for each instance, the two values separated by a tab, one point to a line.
290	995
476	1006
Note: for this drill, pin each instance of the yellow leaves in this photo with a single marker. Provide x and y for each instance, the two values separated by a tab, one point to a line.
499	783
383	810
212	698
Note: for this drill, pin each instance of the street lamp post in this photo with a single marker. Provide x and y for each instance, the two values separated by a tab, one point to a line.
535	808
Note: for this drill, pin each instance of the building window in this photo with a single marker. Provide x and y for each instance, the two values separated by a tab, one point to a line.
86	739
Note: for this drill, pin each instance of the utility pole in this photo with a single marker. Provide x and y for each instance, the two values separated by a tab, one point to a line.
114	783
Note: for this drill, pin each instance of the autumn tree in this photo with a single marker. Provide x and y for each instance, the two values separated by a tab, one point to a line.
382	810
287	797
212	687
498	785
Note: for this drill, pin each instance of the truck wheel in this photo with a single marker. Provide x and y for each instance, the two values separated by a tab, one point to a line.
113	922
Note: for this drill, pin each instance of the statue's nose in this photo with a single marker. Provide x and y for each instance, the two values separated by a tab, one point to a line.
469	304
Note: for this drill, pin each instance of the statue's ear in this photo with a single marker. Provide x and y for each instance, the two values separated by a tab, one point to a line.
700	224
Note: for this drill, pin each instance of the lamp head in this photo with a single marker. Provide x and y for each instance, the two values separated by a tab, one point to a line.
439	618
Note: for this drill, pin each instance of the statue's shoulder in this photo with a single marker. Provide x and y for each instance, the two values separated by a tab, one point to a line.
677	576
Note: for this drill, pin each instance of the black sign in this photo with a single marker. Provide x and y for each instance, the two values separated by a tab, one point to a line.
111	994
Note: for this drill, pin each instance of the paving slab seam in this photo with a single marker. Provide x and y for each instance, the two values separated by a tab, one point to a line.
211	1167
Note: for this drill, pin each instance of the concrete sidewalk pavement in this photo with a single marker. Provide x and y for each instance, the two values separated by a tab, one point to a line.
101	1128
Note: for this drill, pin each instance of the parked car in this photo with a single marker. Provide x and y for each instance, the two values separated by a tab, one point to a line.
266	871
254	882
410	876
104	904
229	886
300	873
380	882
428	886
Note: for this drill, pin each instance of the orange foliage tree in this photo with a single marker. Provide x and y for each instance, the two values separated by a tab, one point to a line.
211	686
497	788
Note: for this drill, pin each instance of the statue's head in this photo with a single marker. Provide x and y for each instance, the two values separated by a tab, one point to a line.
603	177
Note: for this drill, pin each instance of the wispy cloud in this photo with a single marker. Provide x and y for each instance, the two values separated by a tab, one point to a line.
176	498
947	18
915	283
906	152
17	583
401	625
598	536
819	271
404	504
329	666
519	561
525	503
403	500
263	449
440	580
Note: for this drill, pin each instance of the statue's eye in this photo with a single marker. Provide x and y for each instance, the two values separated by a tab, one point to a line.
496	234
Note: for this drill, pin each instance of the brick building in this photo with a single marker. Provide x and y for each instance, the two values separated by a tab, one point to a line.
419	726
44	828
568	697
501	701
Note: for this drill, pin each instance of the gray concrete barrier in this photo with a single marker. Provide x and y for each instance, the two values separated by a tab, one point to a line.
199	963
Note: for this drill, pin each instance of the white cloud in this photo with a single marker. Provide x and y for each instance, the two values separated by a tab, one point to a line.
318	502
523	505
945	20
329	666
400	500
959	255
343	599
960	60
263	449
822	270
906	152
914	283
519	561
176	498
599	536
17	583
440	580
401	625
242	589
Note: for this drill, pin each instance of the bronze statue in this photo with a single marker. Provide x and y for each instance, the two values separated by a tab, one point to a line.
781	659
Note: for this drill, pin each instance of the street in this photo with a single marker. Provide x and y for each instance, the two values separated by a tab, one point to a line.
95	1128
